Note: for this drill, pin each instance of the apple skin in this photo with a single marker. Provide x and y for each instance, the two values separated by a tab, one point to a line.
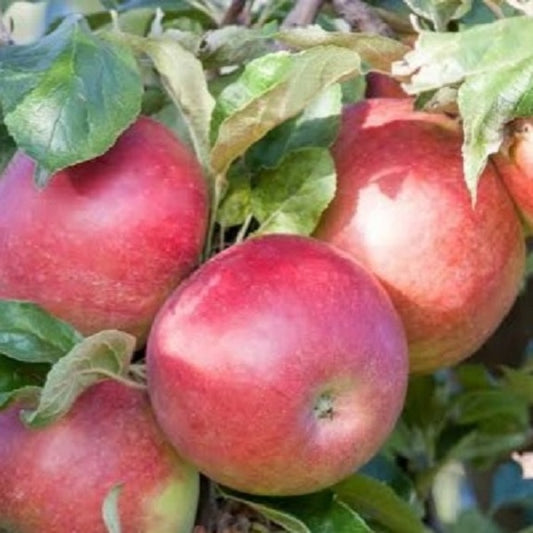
278	367
55	479
379	85
107	240
515	165
402	208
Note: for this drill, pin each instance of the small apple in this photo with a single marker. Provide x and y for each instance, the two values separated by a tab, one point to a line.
107	240
55	479
402	208
278	367
515	164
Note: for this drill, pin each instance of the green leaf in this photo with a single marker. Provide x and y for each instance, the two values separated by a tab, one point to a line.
235	45
505	95
376	51
473	521
321	512
99	357
236	204
510	488
7	146
186	86
519	381
292	197
316	126
440	12
272	89
68	97
480	405
379	503
110	511
28	333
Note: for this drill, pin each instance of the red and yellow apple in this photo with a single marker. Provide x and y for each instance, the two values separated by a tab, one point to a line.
402	208
278	367
55	479
515	164
107	240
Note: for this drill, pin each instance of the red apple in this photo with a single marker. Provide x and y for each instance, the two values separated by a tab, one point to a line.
107	240
379	85
515	165
402	208
279	367
55	480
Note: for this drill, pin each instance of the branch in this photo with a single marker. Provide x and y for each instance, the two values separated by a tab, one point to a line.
362	17
233	13
303	13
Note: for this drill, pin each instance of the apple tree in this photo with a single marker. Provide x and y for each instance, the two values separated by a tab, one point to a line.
339	184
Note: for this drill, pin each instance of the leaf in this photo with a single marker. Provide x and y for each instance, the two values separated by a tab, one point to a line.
376	51
28	333
480	405
16	376
506	95
316	126
68	97
321	512
519	381
271	90
473	521
440	12
186	86
236	204
235	45
7	146
292	197
510	488
98	357
440	59
110	511
378	502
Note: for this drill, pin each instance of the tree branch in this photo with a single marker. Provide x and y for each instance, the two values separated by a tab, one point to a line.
362	17
233	13
303	13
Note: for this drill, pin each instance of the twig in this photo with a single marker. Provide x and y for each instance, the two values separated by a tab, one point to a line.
362	17
303	13
233	13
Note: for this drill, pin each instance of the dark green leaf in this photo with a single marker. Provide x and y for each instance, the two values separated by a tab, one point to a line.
99	357
7	146
379	503
272	89
110	511
320	512
28	333
510	488
292	197
67	98
519	381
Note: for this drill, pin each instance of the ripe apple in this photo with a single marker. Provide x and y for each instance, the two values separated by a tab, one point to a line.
402	208
107	240
379	85
515	164
278	367
55	479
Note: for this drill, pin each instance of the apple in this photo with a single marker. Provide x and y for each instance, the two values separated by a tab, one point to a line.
55	479
402	208
515	164
278	367
107	240
379	85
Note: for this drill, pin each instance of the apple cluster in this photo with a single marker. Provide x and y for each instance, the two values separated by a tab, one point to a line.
280	365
